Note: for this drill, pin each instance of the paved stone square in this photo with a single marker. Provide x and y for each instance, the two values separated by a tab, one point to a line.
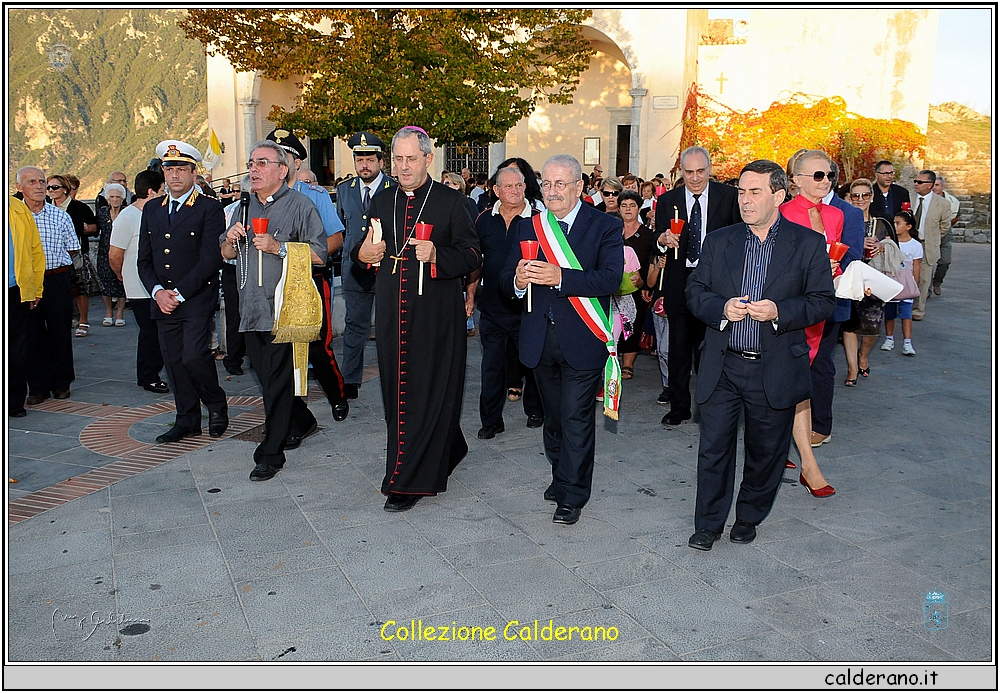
121	550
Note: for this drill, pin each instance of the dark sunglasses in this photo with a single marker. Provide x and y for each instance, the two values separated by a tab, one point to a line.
820	175
54	187
923	182
610	193
860	196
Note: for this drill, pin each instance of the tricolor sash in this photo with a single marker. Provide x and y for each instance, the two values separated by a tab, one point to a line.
557	249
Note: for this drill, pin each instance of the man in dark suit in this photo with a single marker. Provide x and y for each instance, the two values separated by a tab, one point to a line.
179	265
887	198
757	286
704	206
353	200
567	357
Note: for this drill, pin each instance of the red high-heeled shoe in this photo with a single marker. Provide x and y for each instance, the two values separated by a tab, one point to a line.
824	492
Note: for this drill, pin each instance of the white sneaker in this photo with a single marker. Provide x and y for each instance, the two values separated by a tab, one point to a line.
908	350
888	345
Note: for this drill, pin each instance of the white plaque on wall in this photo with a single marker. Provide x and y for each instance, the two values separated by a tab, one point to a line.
665	101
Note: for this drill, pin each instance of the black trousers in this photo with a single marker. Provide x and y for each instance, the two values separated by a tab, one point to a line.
17	343
236	347
498	332
686	332
50	340
284	413
824	376
194	379
321	356
148	358
568	399
766	435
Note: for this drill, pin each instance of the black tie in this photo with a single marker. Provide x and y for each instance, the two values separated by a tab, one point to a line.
174	204
916	217
366	200
694	228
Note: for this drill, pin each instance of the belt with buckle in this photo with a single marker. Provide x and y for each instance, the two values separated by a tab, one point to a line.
749	355
59	270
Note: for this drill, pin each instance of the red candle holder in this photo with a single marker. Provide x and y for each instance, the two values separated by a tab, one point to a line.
838	250
529	250
906	206
422	231
259	225
676	226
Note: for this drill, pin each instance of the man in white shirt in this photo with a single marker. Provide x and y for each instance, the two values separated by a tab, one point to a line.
945	261
933	216
122	255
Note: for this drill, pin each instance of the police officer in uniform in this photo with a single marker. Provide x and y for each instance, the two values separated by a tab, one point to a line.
353	200
179	265
321	356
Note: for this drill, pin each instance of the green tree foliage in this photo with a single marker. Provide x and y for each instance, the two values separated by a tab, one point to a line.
465	75
133	80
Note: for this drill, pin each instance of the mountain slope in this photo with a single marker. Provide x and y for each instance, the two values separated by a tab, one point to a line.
133	79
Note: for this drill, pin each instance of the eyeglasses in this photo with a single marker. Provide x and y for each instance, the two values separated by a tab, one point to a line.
598	170
884	173
55	187
559	185
120	182
922	182
820	175
260	163
860	196
610	193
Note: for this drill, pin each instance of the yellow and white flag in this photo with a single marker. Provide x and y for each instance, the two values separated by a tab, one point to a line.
213	152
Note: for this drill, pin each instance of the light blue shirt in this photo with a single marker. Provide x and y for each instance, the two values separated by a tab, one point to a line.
327	212
11	272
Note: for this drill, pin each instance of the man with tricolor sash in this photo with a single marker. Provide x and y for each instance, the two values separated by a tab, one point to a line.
566	335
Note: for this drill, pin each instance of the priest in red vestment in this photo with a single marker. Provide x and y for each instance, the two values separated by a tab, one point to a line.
419	325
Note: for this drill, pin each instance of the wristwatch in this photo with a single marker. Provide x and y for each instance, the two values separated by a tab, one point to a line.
282	251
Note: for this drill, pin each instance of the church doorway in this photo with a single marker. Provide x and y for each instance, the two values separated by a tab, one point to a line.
622	155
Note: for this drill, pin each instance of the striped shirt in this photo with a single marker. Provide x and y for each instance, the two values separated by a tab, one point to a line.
745	335
55	227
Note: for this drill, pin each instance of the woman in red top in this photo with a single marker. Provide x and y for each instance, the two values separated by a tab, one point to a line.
812	174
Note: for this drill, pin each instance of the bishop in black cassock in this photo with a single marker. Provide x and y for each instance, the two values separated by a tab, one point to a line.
421	339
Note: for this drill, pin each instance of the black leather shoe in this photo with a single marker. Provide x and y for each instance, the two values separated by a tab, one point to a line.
487	432
176	433
217	423
341	410
60	394
742	533
32	400
262	472
550	493
351	391
234	370
703	540
566	515
400	502
673	418
159	387
18	413
536	421
292	442
664	397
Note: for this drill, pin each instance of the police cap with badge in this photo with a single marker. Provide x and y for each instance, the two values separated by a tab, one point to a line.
289	142
364	143
177	153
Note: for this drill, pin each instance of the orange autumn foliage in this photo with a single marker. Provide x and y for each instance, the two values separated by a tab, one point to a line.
735	138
